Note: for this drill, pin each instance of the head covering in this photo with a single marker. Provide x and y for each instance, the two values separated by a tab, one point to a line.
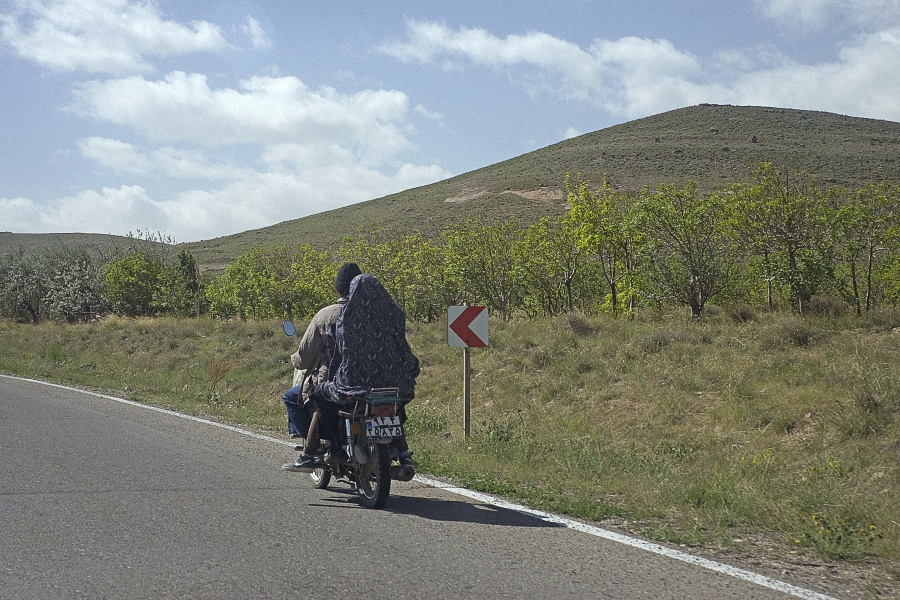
345	275
370	341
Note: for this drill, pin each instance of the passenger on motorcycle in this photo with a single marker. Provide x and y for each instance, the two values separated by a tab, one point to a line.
313	356
370	351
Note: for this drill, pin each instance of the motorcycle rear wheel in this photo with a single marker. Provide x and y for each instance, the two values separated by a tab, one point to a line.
321	477
374	480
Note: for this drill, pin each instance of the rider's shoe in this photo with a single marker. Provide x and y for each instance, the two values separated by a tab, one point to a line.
336	455
303	464
407	460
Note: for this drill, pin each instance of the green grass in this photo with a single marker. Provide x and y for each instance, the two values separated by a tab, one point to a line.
692	433
236	371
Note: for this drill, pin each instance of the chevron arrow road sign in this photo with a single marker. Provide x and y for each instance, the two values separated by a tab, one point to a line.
467	326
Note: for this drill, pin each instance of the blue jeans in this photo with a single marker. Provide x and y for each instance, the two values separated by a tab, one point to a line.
299	417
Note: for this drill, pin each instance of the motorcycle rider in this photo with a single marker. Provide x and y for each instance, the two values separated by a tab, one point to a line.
314	355
370	351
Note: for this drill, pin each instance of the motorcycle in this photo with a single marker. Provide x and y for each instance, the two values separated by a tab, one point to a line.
369	425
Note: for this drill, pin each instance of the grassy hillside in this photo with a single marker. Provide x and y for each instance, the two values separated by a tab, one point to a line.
33	241
709	144
102	242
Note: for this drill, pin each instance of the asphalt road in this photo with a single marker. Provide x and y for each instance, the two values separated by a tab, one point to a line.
100	499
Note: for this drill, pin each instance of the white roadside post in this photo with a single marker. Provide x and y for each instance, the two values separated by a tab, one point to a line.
467	327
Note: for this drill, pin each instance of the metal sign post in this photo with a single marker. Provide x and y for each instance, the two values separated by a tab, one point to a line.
467	327
466	391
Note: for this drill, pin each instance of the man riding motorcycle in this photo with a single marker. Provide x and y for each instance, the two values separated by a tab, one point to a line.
369	351
313	356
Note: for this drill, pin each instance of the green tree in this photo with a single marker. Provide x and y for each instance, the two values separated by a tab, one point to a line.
187	283
787	220
276	283
868	224
429	291
133	284
248	285
386	254
411	268
549	257
481	265
600	218
219	296
688	253
312	280
273	282
891	282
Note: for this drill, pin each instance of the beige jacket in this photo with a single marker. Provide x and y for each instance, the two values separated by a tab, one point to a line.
313	355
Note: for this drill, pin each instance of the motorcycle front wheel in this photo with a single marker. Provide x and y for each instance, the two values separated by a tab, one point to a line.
374	479
321	477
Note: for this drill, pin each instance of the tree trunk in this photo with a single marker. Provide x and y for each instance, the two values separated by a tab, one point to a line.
614	295
869	267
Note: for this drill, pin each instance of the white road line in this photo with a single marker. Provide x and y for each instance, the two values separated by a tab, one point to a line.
633	542
712	565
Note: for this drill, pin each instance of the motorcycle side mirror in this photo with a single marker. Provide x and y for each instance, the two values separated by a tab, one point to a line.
289	328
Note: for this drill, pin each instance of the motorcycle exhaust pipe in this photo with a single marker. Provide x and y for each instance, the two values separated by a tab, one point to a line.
402	473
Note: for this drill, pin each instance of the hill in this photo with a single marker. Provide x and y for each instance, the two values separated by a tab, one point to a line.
713	145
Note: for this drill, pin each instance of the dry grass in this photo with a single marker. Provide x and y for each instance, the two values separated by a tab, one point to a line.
235	371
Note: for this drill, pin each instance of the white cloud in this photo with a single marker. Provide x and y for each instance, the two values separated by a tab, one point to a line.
265	198
578	69
193	164
297	186
434	116
591	74
124	158
863	81
265	110
101	36
258	37
571	132
814	13
315	150
117	156
817	14
634	77
112	210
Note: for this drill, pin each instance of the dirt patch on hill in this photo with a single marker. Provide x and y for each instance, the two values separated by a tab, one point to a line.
466	194
544	194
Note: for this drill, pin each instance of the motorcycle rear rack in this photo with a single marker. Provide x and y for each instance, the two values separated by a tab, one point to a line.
383	395
374	397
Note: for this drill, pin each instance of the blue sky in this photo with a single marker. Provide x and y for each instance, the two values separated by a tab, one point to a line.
204	118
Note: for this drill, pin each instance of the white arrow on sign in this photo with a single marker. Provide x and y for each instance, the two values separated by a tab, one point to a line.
467	326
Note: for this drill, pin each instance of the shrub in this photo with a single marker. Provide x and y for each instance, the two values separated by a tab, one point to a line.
826	306
741	313
786	332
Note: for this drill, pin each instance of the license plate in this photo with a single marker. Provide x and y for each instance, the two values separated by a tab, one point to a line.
383	427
